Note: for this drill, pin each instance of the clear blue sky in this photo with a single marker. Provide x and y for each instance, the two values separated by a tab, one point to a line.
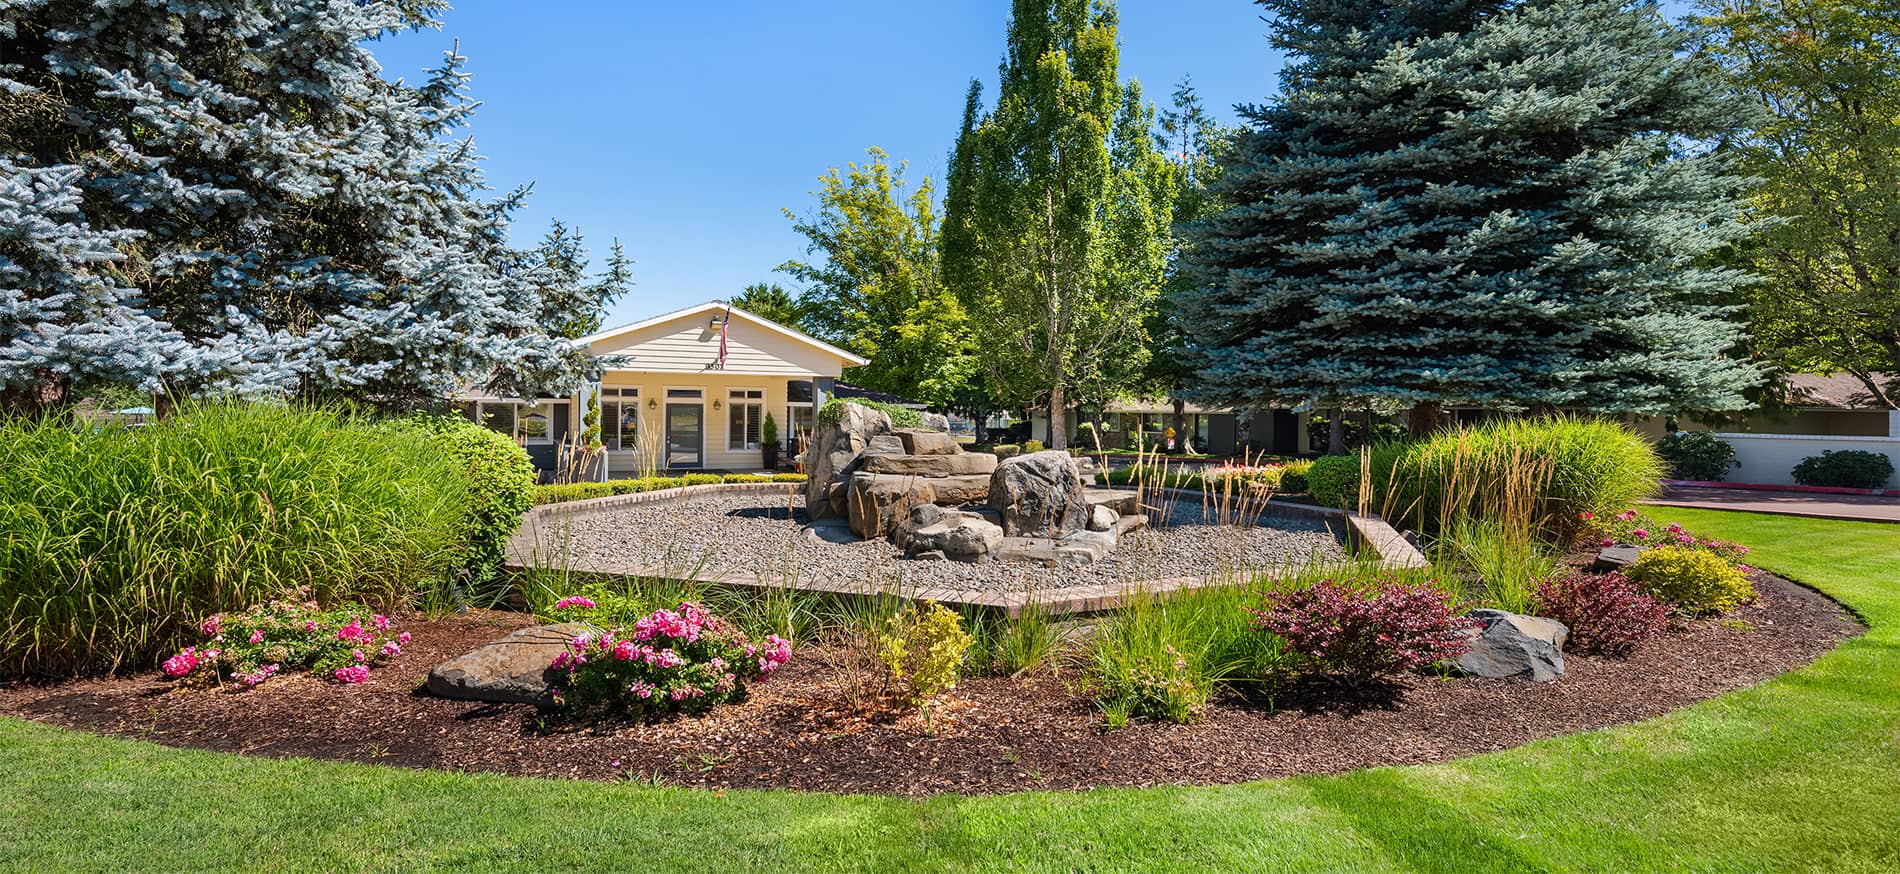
683	129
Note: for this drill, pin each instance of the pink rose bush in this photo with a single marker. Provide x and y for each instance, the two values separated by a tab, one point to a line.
669	661
1635	529
1359	633
245	649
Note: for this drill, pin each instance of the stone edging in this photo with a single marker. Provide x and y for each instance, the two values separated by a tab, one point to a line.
1370	531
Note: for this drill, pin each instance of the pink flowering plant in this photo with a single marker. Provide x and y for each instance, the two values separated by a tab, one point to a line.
1358	633
244	649
1632	528
668	661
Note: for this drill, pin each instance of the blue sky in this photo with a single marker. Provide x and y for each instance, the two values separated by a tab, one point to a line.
683	129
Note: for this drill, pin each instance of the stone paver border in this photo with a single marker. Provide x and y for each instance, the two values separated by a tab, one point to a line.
1366	531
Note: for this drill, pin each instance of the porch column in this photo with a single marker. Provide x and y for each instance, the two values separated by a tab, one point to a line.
822	388
1893	423
1306	436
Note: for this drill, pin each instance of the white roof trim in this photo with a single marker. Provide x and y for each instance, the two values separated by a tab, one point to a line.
850	359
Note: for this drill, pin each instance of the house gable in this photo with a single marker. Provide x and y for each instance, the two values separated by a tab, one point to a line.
687	342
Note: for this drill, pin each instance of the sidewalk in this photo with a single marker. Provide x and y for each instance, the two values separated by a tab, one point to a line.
1862	508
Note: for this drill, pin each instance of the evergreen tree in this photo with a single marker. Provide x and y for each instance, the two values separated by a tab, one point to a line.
221	196
1827	76
770	301
1058	214
878	290
573	304
1498	204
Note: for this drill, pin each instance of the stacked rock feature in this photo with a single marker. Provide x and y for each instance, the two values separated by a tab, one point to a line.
902	471
834	453
1050	517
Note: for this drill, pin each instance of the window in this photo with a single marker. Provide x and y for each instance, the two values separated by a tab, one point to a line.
531	424
620	418
745	411
690	394
537	422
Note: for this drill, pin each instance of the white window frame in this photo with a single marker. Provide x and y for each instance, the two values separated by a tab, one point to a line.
759	404
623	399
520	410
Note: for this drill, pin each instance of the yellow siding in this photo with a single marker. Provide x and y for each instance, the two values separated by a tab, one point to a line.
689	345
717	423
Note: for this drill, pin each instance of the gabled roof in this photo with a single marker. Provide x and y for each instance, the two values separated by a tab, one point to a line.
852	360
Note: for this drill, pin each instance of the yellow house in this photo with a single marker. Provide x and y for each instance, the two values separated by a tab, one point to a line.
688	390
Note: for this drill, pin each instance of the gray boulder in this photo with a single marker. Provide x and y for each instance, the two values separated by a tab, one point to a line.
960	536
1124	502
833	453
511	670
877	502
1616	557
1039	495
1102	518
928	442
1514	646
960	464
958	490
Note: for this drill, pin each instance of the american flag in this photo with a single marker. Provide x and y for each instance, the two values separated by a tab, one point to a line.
725	325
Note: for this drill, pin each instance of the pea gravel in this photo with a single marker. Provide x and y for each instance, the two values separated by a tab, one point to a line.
764	535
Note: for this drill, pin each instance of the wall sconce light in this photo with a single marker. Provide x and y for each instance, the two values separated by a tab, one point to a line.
718	319
653	403
715	403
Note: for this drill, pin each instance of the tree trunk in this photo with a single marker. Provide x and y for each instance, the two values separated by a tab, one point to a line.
1180	426
1424	419
1058	413
1335	432
36	399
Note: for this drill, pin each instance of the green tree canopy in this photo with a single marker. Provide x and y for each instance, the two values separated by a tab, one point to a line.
1827	75
1058	211
1498	204
772	301
878	290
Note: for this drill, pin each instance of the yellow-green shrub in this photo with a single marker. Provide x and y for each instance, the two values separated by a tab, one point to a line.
1696	580
1293	475
922	650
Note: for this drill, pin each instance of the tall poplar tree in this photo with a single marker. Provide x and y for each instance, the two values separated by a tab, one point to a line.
222	196
1505	205
1058	211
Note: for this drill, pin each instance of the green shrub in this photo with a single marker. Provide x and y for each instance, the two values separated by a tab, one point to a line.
742	478
564	492
659	483
1163	656
702	479
628	486
501	486
1334	480
1006	450
1293	476
1695	580
1848	468
1697	455
117	540
901	417
1033	446
922	650
789	477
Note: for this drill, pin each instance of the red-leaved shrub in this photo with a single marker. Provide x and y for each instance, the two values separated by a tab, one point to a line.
1359	633
1607	614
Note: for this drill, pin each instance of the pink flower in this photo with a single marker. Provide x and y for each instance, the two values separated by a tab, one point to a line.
357	654
1639	533
181	664
1586	515
575	601
212	625
310	625
1608	542
257	636
623	651
352	674
391	650
380	621
403	638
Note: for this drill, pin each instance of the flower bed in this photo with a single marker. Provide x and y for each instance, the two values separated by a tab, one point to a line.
670	661
245	649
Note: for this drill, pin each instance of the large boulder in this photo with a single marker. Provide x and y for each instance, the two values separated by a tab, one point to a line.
958	536
960	464
1124	502
918	442
833	453
514	669
1039	495
958	490
1514	646
877	502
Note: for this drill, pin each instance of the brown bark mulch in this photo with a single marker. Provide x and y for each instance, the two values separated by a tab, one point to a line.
997	734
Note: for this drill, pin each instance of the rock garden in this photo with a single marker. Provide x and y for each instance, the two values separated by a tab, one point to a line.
1533	609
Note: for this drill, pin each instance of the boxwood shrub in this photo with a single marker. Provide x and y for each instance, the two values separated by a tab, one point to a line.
1697	455
1334	480
1847	468
501	486
901	417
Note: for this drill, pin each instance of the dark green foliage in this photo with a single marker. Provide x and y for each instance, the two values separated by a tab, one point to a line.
901	417
1334	480
1697	455
1383	430
118	540
1497	204
1847	468
501	486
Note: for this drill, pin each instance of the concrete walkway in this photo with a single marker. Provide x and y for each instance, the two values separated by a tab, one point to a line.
1861	508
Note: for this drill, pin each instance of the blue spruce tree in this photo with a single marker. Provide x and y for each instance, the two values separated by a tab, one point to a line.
1501	204
211	196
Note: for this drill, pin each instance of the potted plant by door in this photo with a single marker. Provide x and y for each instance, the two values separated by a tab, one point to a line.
768	442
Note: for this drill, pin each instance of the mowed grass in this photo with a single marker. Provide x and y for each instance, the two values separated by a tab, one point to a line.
1801	773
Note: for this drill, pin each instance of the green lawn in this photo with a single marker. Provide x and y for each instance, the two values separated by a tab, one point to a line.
1802	773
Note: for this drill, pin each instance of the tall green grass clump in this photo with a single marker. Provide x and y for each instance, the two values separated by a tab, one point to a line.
118	541
1163	656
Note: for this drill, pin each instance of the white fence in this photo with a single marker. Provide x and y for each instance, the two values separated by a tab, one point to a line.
1769	459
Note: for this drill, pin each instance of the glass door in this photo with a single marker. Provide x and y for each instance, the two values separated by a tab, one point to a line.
685	435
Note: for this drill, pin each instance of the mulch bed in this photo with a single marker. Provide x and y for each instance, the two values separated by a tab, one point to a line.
999	734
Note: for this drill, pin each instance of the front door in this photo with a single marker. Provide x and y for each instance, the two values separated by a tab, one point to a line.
685	435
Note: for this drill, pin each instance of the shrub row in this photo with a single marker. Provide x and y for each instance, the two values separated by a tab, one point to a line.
558	494
901	417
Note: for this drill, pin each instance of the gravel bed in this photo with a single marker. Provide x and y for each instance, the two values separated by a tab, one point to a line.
764	535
